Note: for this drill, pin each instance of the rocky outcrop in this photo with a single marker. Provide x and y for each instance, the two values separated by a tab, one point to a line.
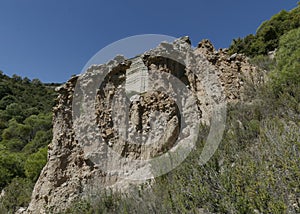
110	130
234	70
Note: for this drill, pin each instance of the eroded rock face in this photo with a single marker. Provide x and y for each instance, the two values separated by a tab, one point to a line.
107	125
234	71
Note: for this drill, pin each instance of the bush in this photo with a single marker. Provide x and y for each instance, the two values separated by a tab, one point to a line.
11	165
17	194
263	62
35	163
41	139
286	76
268	34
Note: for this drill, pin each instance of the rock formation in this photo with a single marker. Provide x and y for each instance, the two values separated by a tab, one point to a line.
110	130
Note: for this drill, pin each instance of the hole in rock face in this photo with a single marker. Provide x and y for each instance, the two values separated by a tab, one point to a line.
139	124
154	124
163	64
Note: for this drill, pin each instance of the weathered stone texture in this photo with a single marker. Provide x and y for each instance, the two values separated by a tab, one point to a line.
150	126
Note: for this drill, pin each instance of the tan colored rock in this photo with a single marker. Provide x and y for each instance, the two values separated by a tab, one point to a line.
150	126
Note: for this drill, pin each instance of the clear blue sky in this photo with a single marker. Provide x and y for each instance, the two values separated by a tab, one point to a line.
53	39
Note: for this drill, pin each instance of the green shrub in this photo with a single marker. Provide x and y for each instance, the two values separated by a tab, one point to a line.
17	194
286	76
263	62
268	34
11	165
35	163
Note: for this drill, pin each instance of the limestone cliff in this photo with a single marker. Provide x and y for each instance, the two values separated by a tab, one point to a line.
109	121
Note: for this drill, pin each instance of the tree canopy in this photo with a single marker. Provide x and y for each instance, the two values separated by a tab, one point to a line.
268	34
25	132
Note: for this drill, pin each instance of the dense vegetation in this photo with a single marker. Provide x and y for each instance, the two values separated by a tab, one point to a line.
268	34
25	132
255	170
257	166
